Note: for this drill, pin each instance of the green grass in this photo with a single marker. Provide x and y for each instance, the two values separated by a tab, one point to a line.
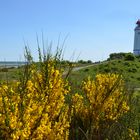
9	74
130	70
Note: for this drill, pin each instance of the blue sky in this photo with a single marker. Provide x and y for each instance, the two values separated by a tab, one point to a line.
95	28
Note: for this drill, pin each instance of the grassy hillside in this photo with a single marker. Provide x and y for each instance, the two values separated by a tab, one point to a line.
122	63
42	103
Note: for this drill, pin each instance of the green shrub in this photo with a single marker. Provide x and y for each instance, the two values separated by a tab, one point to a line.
132	70
114	56
107	70
129	57
138	78
86	70
4	70
127	64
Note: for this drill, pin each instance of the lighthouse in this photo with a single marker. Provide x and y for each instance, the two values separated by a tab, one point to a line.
136	50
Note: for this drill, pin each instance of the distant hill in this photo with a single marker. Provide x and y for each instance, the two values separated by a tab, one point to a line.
8	64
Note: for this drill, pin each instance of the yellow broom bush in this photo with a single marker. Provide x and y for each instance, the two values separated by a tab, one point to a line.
102	103
34	107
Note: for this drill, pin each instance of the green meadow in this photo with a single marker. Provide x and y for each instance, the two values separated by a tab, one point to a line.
126	65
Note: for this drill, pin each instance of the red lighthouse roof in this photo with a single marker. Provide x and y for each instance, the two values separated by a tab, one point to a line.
138	22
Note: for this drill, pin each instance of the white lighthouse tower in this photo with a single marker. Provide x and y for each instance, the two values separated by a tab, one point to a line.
136	50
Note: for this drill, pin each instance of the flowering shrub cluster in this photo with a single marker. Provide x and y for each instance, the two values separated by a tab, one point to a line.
34	108
102	104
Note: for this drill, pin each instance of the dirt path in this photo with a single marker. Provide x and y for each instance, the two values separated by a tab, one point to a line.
83	67
79	68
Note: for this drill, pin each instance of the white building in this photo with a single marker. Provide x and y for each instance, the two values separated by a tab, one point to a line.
136	50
